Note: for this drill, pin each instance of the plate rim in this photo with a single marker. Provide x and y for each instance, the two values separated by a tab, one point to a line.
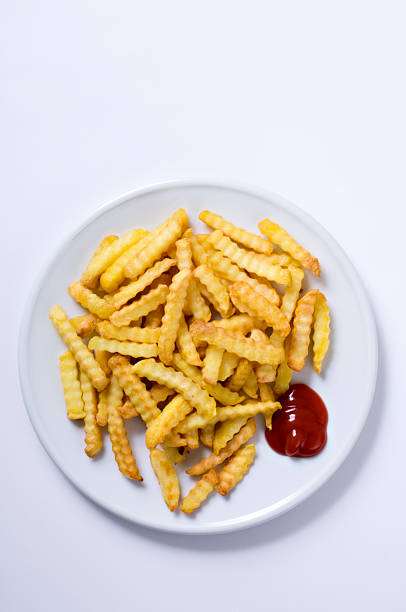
276	509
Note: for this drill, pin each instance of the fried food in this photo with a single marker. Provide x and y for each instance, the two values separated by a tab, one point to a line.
263	373
215	290
160	393
127	410
172	315
114	275
207	435
173	413
90	300
321	331
228	364
71	386
154	318
131	334
140	307
251	241
199	493
225	431
240	376
133	349
211	365
184	253
167	478
302	323
292	292
196	303
185	344
84	324
241	323
128	292
93	437
250	387
102	410
235	469
246	299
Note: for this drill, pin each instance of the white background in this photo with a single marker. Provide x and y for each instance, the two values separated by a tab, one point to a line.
304	98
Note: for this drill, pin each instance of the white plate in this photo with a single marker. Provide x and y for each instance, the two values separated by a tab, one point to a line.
275	483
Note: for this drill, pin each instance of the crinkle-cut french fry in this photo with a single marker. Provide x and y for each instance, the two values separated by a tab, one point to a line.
250	261
71	386
240	376
207	435
235	469
223	413
133	349
283	378
241	323
173	413
102	409
279	236
174	455
175	440
211	364
100	262
199	493
247	239
282	259
114	275
250	387
84	324
184	253
215	290
224	267
263	373
102	358
188	233
228	364
93	438
246	299
302	323
134	388
231	447
154	318
292	292
78	348
221	394
167	478
90	300
321	331
172	315
128	292
159	241
199	254
127	410
118	435
225	431
160	393
235	342
193	393
164	279
192	439
131	334
186	345
196	303
265	392
140	307
97	255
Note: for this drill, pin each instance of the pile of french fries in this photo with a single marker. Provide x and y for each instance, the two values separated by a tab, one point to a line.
195	334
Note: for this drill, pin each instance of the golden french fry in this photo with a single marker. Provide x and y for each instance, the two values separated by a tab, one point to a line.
93	437
221	394
224	267
78	348
134	388
240	438
199	253
128	292
211	365
241	323
158	243
196	303
90	300
127	410
102	409
225	431
292	292
279	236
283	378
84	324
199	493
131	334
71	386
195	395
250	387
215	290
118	435
252	262
240	376
207	435
265	392
192	439
174	455
184	253
251	241
246	299
97	255
173	413
228	364
167	478
102	358
160	393
263	373
108	255
140	307
302	323
154	318
133	349
114	275
172	315
186	345
235	343
321	331
235	469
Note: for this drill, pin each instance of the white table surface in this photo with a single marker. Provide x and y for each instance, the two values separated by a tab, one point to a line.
304	98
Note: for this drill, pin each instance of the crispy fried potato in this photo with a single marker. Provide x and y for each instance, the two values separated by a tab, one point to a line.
84	324
174	455
279	236
173	413
251	241
241	323
211	365
215	290
300	337
127	410
228	364
71	386
265	392
114	275
78	348
128	292
97	255
199	253
90	300
160	393
184	253
133	349
154	318
192	439
186	345
283	378
246	299
199	493
207	435
292	292
140	307
130	334
263	373
195	395
167	478
102	358
240	438
235	469
172	315
196	303
250	387
93	437
225	431
102	410
240	376
250	261
321	331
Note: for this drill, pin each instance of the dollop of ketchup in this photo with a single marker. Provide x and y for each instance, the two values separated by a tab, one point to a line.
299	429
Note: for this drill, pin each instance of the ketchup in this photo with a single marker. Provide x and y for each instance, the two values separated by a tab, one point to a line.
299	429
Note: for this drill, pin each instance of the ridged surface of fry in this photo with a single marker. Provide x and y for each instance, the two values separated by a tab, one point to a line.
71	386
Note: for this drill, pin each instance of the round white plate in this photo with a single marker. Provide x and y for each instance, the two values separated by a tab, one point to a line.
275	483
